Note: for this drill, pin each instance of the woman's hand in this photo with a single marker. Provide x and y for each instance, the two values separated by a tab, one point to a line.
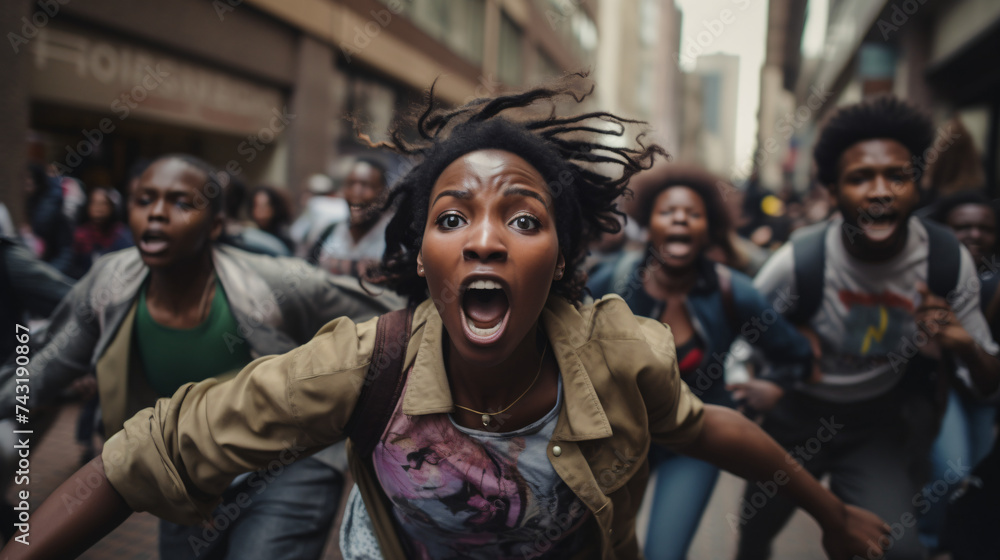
859	533
758	395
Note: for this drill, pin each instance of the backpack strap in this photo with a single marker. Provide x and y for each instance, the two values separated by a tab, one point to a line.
809	256
317	249
725	276
383	384
944	259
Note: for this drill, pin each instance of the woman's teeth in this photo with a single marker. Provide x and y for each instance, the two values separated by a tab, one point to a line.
483	332
484	285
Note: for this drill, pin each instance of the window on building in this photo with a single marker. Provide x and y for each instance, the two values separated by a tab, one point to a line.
569	19
456	23
711	96
509	65
649	19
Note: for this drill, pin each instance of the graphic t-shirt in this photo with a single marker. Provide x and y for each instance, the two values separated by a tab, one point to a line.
461	493
865	322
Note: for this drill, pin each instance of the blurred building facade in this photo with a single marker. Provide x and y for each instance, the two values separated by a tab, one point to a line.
936	54
258	87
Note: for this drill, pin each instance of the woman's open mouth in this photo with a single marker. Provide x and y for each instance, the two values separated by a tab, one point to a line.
153	243
485	310
678	246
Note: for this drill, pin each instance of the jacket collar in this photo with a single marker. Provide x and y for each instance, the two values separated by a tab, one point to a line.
581	418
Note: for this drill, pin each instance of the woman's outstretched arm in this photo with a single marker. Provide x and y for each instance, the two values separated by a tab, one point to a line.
731	442
79	513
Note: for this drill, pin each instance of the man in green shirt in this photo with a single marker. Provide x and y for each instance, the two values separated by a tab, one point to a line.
179	308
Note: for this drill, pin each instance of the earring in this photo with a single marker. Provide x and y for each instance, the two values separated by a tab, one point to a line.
420	271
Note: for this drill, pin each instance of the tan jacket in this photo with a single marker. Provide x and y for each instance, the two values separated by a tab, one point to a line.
621	391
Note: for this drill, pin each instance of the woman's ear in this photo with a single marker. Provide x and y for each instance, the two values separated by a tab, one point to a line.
218	223
420	264
560	267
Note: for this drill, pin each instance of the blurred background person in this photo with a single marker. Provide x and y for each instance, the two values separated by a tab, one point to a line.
348	247
50	232
235	230
967	429
179	308
101	230
271	211
707	305
954	167
321	206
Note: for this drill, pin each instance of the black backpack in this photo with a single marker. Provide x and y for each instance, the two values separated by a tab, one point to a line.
809	250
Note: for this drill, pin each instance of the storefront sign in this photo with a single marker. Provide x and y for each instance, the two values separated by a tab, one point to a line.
82	68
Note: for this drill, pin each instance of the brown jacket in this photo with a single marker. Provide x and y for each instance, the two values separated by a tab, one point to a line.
621	391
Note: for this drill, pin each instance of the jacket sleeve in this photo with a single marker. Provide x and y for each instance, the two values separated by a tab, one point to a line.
176	458
58	353
317	297
675	415
785	350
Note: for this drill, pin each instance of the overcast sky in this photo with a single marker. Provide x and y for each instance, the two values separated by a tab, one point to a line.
746	37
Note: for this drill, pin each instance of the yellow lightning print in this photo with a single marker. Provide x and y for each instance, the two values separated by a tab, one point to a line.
872	332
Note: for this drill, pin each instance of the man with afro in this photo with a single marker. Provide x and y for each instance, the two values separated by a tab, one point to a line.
868	415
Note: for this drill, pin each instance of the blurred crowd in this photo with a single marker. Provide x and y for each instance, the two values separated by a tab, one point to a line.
723	248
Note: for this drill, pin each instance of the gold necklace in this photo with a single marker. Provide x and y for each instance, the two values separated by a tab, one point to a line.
487	416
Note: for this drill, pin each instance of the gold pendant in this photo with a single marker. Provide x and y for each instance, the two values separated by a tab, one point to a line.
486	420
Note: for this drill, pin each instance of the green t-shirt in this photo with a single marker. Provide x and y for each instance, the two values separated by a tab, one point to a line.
172	357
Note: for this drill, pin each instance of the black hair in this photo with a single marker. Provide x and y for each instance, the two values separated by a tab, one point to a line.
212	188
114	199
279	204
564	149
234	195
884	117
650	184
377	165
945	205
137	168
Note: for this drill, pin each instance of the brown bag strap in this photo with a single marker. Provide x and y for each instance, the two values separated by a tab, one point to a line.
383	384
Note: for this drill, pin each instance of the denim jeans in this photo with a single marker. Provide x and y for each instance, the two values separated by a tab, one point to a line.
965	438
683	488
282	513
875	452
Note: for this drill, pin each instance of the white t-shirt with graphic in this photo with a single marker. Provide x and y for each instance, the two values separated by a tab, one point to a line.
866	320
461	493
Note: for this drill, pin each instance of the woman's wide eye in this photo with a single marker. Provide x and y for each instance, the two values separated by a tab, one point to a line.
525	223
450	221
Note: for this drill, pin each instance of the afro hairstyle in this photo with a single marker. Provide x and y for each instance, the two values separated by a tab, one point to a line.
883	117
648	186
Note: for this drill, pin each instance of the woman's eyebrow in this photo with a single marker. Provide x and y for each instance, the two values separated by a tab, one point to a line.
521	191
464	195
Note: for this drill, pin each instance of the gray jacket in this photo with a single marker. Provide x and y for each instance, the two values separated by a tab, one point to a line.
278	303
